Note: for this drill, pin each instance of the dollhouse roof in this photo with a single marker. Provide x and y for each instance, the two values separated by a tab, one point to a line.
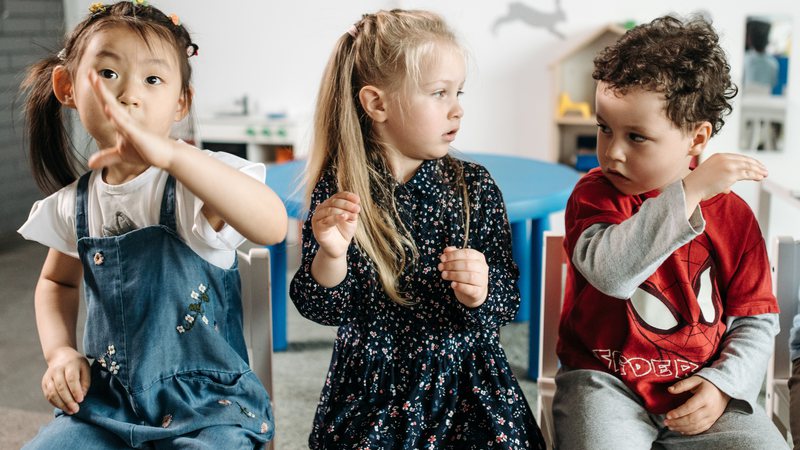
580	42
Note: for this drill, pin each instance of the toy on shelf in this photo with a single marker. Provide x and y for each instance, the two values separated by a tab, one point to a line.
573	89
566	105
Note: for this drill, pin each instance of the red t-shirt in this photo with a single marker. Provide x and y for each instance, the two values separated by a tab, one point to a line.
673	325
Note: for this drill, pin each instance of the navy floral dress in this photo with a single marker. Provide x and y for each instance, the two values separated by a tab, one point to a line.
433	374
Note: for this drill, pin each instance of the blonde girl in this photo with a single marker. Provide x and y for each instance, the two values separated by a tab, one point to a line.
407	250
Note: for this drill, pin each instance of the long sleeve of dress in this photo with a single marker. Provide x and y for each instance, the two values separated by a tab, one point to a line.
323	305
491	229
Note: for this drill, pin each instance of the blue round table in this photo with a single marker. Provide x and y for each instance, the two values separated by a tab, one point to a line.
532	190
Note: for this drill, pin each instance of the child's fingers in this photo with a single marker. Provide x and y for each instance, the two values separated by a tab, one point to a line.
752	169
467	289
334	219
343	205
52	396
60	395
116	113
691	424
453	253
465	277
72	377
463	265
105	158
691	405
329	216
685	385
103	96
347	195
328	212
86	378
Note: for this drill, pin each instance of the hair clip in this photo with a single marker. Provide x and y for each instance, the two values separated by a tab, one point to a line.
140	2
98	7
175	20
191	50
62	54
353	30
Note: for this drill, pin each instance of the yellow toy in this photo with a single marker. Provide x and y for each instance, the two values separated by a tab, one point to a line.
565	105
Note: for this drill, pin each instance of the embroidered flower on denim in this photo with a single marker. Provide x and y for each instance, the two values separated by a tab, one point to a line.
264	427
196	309
107	360
246	411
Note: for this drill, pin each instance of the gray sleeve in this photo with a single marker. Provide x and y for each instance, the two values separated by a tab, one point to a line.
746	348
616	259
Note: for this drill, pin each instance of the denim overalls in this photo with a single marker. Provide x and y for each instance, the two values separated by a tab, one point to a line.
164	327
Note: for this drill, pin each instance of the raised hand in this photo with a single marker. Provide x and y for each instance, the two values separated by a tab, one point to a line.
468	273
66	381
135	144
701	410
717	174
334	223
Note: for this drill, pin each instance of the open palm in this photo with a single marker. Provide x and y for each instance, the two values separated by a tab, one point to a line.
135	144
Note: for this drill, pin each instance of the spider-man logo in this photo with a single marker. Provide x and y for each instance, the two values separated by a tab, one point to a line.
678	308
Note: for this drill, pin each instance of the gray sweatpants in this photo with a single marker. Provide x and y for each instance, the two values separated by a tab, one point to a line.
595	410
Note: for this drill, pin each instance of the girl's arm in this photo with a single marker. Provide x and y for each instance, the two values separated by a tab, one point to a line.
56	302
491	229
230	196
324	285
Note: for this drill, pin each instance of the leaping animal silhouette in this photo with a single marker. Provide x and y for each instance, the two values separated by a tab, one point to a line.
532	17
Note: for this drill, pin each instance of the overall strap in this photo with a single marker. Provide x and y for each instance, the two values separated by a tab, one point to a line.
167	217
81	202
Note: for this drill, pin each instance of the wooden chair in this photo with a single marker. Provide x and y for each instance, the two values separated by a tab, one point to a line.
257	314
786	284
554	267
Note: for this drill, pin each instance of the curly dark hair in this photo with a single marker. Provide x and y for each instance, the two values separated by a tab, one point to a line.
682	60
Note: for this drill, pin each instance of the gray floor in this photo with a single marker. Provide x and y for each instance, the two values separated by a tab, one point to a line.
298	372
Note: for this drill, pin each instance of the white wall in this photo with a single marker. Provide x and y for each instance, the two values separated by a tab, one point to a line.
274	51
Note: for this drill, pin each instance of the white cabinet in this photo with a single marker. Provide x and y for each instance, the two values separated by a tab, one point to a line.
255	138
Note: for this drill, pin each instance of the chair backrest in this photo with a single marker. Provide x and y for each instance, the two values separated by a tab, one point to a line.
786	284
257	312
554	275
554	270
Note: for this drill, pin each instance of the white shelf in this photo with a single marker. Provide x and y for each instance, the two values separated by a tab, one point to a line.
259	135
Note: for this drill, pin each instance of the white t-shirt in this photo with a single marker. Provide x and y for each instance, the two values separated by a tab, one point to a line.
116	209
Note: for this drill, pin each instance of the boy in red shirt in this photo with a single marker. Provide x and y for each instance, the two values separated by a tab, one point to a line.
669	317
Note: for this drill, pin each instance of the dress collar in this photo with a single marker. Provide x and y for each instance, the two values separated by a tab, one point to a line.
426	179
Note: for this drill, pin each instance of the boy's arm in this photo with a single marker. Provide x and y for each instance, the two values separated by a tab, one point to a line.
616	259
744	355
